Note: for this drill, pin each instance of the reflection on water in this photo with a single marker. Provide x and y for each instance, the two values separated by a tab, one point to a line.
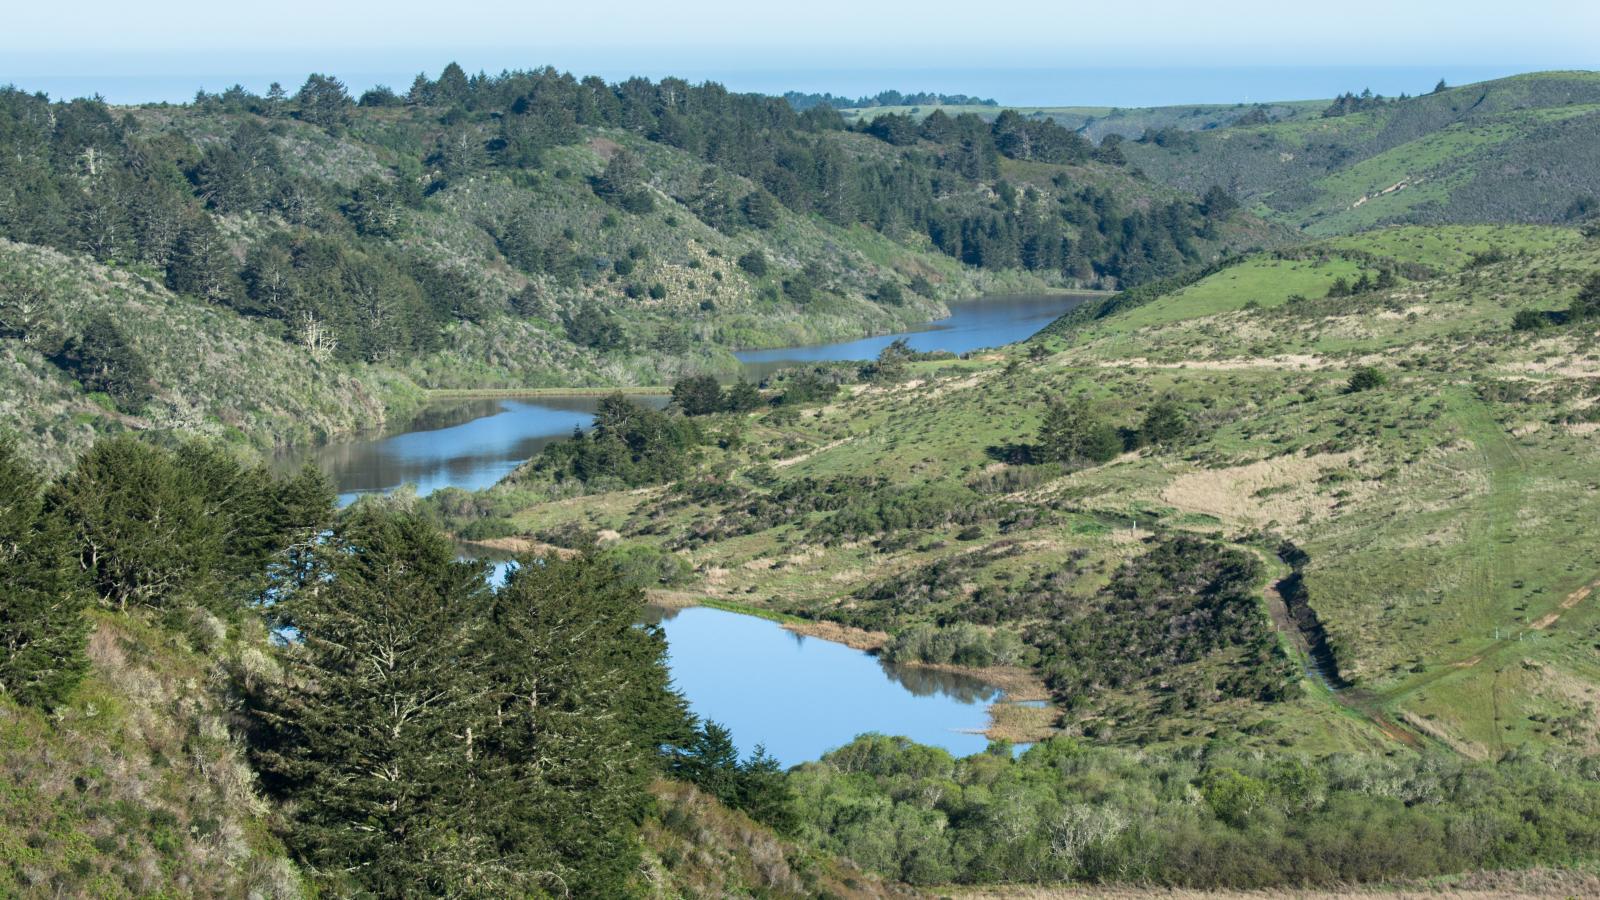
473	444
801	697
470	445
798	696
500	562
925	682
986	322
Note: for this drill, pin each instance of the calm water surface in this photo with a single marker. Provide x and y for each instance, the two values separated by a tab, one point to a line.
971	325
473	444
466	444
801	697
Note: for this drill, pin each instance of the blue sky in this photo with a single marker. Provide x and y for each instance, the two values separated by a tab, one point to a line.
734	40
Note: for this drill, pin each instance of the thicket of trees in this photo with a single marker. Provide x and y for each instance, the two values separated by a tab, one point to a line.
700	395
326	257
136	525
1185	614
1349	102
426	733
1205	817
433	735
43	597
802	101
629	445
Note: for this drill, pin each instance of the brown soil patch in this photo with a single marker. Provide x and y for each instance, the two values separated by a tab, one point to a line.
858	638
1469	749
1281	489
523	545
1573	599
802	457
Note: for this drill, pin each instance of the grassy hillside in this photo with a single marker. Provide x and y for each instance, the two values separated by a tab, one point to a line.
136	787
1322	561
1437	515
1513	150
282	269
198	356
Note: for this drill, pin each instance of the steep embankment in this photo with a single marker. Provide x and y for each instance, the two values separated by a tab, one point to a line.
208	371
137	786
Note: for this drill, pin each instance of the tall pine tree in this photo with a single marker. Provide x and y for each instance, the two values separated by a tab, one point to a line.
41	598
437	737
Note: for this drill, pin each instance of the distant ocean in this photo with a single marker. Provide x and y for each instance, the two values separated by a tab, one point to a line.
1093	86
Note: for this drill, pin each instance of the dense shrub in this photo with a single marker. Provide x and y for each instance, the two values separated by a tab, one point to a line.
1076	434
1366	378
1185	601
960	644
628	445
1204	818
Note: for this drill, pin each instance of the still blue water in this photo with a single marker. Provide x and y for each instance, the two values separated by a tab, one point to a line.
990	322
470	445
801	697
797	696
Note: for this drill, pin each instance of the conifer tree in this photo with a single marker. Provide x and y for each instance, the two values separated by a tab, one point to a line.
41	597
141	524
438	737
1074	433
372	731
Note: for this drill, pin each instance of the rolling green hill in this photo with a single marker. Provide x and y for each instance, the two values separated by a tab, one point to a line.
1518	149
1402	500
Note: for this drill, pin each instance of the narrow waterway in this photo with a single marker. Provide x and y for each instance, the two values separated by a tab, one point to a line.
471	444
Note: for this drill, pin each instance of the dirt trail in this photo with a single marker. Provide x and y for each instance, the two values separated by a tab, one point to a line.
1573	599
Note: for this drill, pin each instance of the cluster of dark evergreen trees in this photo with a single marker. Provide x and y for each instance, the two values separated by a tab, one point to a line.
804	101
629	445
85	177
428	734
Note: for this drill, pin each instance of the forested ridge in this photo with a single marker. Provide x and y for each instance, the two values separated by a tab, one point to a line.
525	229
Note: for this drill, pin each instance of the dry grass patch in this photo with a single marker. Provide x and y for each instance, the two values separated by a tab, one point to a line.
1281	489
